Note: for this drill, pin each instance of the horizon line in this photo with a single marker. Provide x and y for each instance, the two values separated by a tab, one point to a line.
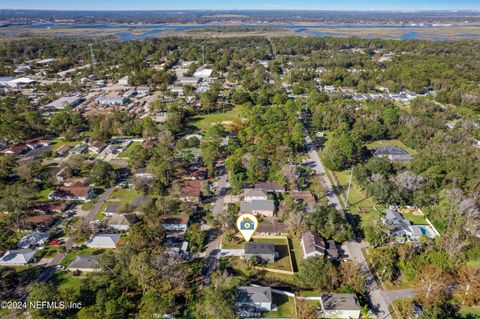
309	10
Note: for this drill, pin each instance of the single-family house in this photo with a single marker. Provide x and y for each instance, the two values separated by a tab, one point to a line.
121	221
80	193
270	187
33	240
393	153
63	150
123	81
271	229
175	223
17	149
250	194
251	299
103	241
96	147
51	207
78	149
343	306
314	245
19	257
262	207
75	181
40	222
60	103
85	264
188	80
306	198
142	173
190	190
265	252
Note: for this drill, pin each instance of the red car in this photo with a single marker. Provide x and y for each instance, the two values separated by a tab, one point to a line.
55	242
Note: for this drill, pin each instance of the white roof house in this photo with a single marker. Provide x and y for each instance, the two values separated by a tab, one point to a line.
259	207
123	81
60	103
104	241
203	73
17	257
33	240
250	194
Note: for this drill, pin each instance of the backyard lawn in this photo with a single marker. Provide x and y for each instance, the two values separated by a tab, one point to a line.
56	143
80	252
203	122
132	148
65	281
284	261
398	143
285	307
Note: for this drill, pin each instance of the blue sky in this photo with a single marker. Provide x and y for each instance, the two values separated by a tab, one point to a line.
242	4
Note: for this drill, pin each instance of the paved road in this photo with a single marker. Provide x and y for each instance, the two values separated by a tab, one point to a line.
332	198
219	203
354	250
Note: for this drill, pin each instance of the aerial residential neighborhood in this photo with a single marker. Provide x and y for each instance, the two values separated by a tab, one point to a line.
239	163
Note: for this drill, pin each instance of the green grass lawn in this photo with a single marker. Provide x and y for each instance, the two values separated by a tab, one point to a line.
47	252
57	142
297	252
283	262
81	252
203	122
43	195
417	220
120	196
393	143
471	313
66	281
132	148
285	307
88	205
124	195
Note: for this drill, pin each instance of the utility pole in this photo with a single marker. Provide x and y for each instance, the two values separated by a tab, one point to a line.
203	55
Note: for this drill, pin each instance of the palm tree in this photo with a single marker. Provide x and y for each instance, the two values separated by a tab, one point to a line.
365	313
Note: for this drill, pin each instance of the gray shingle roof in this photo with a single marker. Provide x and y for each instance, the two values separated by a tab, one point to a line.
85	262
257	205
254	294
340	302
259	249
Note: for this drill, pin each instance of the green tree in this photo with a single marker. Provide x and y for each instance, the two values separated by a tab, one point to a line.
103	174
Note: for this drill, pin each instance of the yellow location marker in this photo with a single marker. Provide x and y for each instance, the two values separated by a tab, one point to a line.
247	225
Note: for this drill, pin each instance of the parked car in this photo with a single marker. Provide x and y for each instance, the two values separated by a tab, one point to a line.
55	242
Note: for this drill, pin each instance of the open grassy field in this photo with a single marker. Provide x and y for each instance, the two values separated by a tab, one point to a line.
228	118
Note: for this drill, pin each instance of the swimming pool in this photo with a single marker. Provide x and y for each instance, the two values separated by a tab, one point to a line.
427	231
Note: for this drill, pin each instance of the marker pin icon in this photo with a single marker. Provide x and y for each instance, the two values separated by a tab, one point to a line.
247	225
